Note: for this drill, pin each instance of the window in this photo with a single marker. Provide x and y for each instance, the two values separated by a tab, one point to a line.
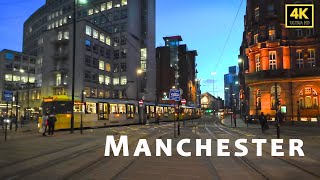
123	67
95	34
123	53
103	7
144	59
88	30
101	79
258	63
308	98
116	81
258	100
107	80
116	54
273	96
90	12
108	40
66	35
102	38
116	41
256	14
116	68
8	77
310	32
256	38
88	61
272	34
123	40
271	9
101	65
299	59
311	58
272	60
124	2
88	45
96	10
109	5
60	22
123	80
299	32
108	67
59	35
58	79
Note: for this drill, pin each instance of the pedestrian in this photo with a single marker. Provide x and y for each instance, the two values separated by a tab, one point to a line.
44	123
15	121
51	122
262	120
2	121
234	118
158	119
21	120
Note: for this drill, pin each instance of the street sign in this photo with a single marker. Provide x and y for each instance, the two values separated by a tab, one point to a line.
183	101
7	96
141	103
174	94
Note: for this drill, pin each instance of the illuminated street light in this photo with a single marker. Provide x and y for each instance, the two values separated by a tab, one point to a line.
173	87
139	71
240	60
237	82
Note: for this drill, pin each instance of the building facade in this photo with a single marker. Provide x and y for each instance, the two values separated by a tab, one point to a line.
20	73
231	89
211	103
114	39
281	67
179	73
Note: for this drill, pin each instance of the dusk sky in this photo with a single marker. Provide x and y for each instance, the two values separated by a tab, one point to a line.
204	26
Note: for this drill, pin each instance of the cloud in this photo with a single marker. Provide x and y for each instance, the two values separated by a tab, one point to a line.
207	81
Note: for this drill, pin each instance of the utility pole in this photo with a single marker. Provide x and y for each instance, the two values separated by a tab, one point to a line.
231	101
277	109
73	65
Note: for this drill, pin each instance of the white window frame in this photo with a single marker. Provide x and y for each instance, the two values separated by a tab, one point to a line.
88	30
258	62
116	81
272	60
311	57
300	63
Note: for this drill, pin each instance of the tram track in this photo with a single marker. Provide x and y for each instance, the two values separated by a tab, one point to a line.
248	162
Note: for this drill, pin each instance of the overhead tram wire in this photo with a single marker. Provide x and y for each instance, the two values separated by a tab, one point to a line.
227	40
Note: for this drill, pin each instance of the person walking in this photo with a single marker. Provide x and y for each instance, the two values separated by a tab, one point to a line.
158	119
44	124
262	120
51	122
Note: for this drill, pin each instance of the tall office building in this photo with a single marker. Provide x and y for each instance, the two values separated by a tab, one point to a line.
114	39
280	64
231	88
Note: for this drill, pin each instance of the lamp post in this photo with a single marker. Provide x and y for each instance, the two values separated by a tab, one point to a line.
82	110
139	72
298	113
74	60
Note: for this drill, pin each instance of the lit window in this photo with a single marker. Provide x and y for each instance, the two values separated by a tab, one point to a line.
59	35
273	96
8	77
95	34
108	67
258	63
272	34
101	79
123	80
88	30
65	20
107	80
108	40
57	24
96	10
60	22
256	38
258	100
299	59
58	79
32	79
103	6
66	35
101	65
124	2
102	39
109	5
90	12
272	60
144	59
49	27
311	58
116	81
308	98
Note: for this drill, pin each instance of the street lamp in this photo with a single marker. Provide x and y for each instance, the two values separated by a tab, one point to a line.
139	72
80	2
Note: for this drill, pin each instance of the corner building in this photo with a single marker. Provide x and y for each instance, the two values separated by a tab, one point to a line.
274	54
114	39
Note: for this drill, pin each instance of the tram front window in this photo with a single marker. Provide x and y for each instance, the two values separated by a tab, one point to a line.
57	107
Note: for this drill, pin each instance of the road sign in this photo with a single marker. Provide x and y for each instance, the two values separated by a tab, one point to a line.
174	94
183	101
141	103
7	96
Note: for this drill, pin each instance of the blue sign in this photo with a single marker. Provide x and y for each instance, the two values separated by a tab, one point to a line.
7	96
174	94
9	56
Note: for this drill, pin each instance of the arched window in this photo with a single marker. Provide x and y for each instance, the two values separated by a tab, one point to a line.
273	96
258	100
308	98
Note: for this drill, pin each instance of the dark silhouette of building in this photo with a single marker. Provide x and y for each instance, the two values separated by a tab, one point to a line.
279	67
185	74
231	88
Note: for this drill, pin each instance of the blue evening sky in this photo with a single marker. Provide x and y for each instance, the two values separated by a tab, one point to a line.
204	26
